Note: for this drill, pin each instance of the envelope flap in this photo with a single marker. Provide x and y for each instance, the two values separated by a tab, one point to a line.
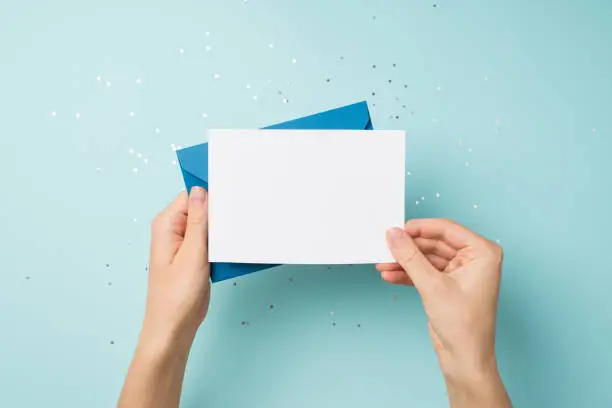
355	116
194	160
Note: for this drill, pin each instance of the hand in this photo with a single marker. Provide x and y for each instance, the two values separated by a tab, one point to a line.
177	302
179	272
457	274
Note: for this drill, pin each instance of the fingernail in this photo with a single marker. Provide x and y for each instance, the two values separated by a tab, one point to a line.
395	235
198	194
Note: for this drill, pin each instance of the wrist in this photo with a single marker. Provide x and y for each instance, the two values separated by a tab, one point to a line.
475	385
158	341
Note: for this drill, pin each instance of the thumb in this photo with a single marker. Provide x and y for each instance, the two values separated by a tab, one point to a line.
195	245
411	259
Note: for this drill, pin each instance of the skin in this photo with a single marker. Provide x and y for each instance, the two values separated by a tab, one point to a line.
456	272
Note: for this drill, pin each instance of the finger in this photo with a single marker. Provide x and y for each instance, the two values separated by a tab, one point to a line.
397	277
195	246
388	267
406	253
168	230
438	262
453	234
435	246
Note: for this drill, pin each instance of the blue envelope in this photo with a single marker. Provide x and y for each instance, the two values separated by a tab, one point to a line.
194	165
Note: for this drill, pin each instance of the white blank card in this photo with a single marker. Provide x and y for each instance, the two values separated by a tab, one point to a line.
304	196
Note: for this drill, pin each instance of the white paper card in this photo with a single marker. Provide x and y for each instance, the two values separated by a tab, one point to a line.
304	196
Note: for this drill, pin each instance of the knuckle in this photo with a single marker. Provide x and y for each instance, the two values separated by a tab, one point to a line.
495	251
197	219
157	222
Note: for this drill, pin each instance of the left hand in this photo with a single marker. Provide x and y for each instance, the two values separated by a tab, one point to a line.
179	271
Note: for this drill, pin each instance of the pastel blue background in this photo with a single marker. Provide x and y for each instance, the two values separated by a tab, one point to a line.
520	90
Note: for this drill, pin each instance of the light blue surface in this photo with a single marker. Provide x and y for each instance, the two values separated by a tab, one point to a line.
525	85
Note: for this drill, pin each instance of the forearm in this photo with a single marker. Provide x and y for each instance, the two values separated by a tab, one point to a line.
155	377
476	387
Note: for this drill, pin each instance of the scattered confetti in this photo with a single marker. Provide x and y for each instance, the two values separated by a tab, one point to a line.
331	313
204	115
99	78
131	151
358	325
217	76
173	162
271	45
110	283
394	297
271	307
469	150
327	80
108	84
27	278
248	86
138	81
439	88
107	265
234	283
467	164
290	279
139	155
54	113
173	147
475	206
208	48
181	51
408	173
78	115
135	219
497	240
416	202
437	195
135	169
294	61
394	65
157	130
208	33
422	198
374	66
594	130
145	160
132	114
285	100
112	342
254	97
334	324
98	169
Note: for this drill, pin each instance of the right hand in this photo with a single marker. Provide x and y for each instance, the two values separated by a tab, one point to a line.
457	274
